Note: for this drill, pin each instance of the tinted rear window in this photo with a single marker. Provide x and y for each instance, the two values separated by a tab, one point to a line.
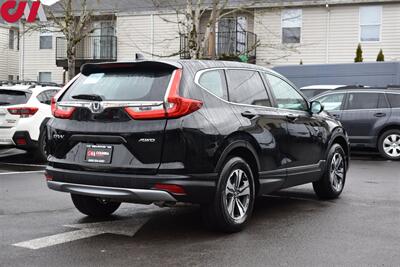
12	97
125	85
247	87
364	100
394	100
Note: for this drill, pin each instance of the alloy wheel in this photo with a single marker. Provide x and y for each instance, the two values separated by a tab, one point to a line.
391	145
337	170
237	195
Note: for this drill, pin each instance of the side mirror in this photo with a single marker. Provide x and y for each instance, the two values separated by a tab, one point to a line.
316	107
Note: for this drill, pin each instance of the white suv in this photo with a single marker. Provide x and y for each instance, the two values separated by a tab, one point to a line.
24	111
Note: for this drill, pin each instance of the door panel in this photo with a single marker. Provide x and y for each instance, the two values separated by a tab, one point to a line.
267	127
305	133
365	113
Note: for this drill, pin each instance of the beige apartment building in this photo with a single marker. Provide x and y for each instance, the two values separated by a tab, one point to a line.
9	52
288	32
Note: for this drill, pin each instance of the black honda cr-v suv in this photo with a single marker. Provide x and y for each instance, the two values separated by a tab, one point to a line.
213	133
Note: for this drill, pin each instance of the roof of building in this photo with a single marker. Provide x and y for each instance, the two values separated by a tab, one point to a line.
137	6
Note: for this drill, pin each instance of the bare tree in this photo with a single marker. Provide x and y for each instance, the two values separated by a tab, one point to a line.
189	19
73	21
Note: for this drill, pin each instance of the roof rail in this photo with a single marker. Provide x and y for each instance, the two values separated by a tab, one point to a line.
355	86
393	87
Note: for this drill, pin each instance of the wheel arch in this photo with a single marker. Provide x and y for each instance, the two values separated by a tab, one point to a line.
241	145
385	129
339	137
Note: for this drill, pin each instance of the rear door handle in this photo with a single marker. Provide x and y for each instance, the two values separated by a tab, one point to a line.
248	114
292	117
380	114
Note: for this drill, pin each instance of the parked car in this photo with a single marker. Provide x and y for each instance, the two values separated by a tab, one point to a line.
212	133
24	112
371	117
314	90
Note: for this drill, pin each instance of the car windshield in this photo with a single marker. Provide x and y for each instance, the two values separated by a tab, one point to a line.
120	86
13	97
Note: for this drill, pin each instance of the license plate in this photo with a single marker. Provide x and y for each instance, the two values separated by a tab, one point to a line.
99	154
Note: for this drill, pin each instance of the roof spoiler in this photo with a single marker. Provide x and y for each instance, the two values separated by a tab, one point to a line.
90	68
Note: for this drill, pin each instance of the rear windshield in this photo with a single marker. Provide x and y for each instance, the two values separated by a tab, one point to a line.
122	85
13	97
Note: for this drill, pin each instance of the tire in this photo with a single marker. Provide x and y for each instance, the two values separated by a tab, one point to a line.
94	207
41	153
389	144
233	203
331	185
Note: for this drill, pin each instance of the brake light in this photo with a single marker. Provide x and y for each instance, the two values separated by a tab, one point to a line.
61	112
23	112
175	106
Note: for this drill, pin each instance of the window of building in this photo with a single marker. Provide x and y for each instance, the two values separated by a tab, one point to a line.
247	87
365	101
46	40
370	23
45	77
11	39
213	81
292	20
286	96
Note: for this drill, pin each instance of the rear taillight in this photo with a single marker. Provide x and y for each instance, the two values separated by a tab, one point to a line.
23	112
61	112
175	106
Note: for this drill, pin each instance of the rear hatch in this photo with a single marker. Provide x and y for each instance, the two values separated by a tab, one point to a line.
10	100
113	117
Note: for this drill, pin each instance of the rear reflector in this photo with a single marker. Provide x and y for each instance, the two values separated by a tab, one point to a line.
61	112
23	112
173	189
48	176
175	106
21	142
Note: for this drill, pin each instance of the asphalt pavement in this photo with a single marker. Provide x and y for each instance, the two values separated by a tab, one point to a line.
39	227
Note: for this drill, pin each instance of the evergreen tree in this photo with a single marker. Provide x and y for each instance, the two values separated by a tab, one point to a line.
359	54
381	56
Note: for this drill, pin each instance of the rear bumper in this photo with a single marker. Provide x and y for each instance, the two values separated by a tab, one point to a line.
6	136
199	188
123	194
26	137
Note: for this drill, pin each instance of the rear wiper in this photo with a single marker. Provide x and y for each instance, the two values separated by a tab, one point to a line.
4	103
88	97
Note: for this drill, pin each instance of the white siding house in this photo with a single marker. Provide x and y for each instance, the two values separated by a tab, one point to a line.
330	34
289	32
149	34
38	60
9	53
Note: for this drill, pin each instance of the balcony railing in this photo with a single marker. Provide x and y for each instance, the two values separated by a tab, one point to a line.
90	49
235	45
